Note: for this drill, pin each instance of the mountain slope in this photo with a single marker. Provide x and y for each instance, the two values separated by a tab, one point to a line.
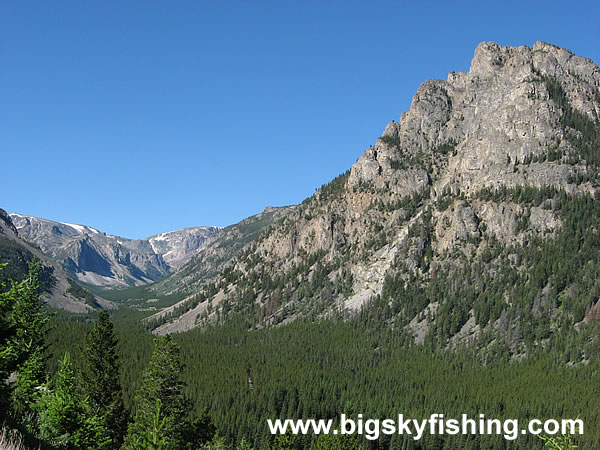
60	291
217	252
108	261
470	220
177	247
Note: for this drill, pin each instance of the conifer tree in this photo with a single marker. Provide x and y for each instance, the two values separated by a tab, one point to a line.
7	351
62	419
59	409
100	378
160	400
22	329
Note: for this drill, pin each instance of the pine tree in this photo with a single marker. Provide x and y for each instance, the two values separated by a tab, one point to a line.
22	325
160	400
100	380
62	418
59	409
7	350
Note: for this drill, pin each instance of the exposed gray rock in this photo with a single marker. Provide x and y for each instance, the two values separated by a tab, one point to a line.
177	247
455	226
4	217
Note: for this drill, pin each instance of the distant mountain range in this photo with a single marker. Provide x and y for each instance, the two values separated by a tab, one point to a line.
60	291
99	259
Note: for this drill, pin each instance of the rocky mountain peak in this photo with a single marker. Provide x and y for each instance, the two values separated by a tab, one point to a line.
506	110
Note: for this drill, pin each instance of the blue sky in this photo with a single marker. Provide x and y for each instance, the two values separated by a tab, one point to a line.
137	117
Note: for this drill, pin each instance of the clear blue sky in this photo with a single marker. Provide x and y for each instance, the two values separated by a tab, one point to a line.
137	117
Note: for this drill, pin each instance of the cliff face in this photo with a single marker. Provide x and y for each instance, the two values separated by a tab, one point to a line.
447	203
